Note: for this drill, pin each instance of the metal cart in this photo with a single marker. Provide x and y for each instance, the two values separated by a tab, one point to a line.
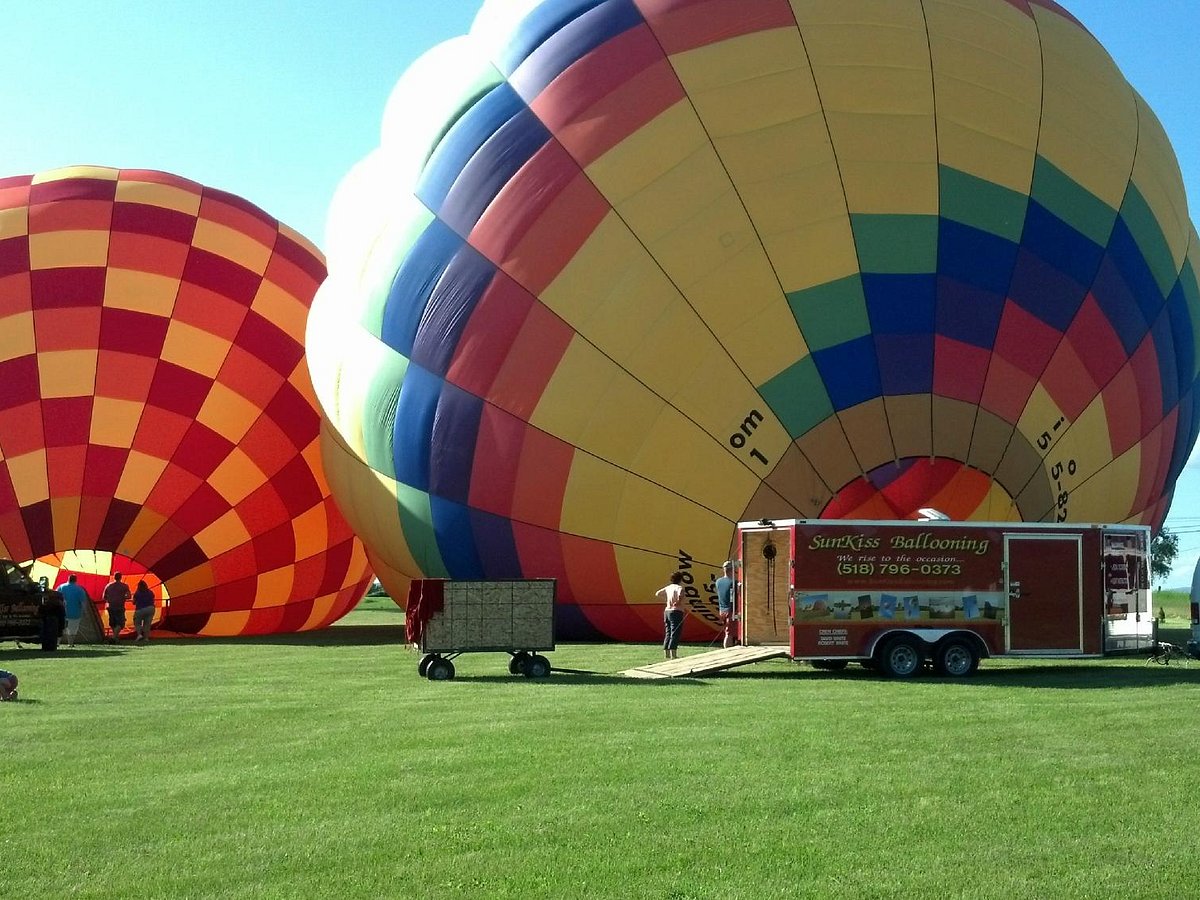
505	616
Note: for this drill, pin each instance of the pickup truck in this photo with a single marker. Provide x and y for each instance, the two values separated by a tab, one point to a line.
20	603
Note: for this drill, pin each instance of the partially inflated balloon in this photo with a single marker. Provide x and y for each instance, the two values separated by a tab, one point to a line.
155	405
624	273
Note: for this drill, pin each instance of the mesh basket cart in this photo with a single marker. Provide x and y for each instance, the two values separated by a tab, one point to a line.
448	618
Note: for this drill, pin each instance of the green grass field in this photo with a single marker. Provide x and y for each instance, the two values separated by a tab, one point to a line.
323	766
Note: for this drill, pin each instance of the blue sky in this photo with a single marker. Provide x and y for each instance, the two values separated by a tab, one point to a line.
275	100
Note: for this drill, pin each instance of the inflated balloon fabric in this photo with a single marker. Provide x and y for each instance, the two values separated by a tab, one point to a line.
624	273
155	405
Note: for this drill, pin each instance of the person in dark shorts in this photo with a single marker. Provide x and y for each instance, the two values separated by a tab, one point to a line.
116	592
724	587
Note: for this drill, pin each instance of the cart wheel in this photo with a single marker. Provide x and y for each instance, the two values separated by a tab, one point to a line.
440	669
423	665
537	667
955	658
900	657
516	663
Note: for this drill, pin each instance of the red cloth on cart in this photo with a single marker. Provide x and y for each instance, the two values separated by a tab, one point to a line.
426	596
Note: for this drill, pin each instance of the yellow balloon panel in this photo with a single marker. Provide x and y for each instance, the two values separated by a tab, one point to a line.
16	335
139	477
987	88
1089	119
876	88
1111	487
1157	177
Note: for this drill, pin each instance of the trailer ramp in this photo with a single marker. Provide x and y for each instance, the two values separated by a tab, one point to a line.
707	663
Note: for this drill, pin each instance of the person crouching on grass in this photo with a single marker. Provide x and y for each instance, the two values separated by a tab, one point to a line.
8	686
673	614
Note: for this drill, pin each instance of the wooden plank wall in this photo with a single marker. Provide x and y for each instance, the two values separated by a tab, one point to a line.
765	603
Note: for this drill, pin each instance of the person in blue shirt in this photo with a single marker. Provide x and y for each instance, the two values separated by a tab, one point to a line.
724	588
74	596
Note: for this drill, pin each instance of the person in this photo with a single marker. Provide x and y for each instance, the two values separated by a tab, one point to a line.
52	617
74	596
143	611
724	588
673	613
116	592
8	685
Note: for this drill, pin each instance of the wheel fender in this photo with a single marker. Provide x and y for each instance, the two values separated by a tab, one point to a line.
930	637
921	634
980	645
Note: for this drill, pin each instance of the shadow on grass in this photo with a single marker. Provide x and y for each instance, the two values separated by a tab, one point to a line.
20	654
1060	676
334	636
1077	677
563	679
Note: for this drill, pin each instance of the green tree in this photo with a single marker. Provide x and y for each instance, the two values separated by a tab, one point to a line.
1163	550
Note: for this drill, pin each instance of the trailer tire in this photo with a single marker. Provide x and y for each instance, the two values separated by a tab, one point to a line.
537	666
439	669
830	665
516	663
423	665
900	657
955	658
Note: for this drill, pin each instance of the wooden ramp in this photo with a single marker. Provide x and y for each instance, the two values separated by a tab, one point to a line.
707	663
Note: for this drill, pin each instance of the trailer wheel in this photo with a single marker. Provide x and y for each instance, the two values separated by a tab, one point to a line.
955	658
439	669
537	666
900	657
516	663
423	665
830	665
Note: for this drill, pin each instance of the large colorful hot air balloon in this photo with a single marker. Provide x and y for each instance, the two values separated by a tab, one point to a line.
156	412
624	273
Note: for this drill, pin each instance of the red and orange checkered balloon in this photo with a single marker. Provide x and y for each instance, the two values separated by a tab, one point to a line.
155	404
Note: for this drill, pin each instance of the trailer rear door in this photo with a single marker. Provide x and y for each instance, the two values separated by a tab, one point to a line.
766	586
1045	596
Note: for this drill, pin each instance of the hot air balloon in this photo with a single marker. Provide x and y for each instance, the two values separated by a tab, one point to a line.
622	274
156	413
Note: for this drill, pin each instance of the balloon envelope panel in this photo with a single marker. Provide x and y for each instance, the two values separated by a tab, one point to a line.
622	274
155	401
